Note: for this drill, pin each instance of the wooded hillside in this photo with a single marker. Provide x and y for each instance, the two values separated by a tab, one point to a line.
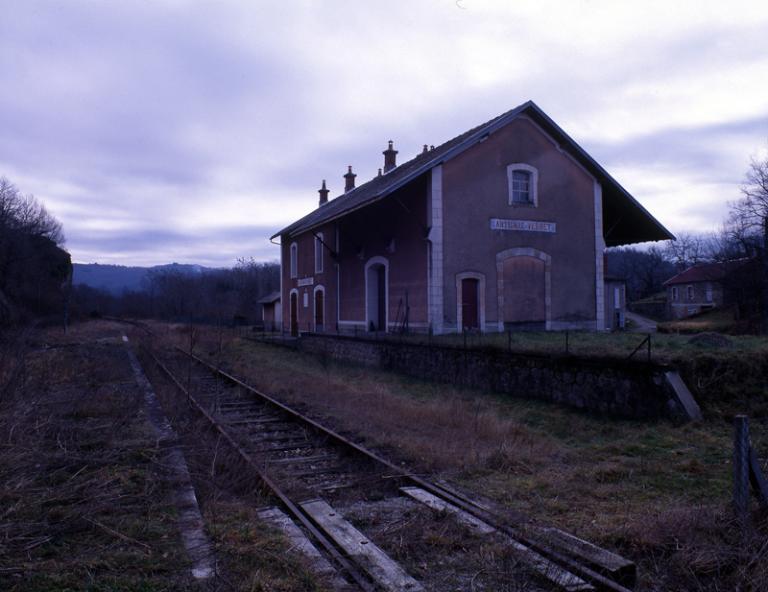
34	268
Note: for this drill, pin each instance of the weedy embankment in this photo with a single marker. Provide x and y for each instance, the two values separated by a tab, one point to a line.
655	492
85	503
79	504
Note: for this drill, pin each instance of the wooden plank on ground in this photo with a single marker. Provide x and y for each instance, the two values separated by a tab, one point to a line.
618	568
384	571
683	395
439	505
301	544
543	566
622	570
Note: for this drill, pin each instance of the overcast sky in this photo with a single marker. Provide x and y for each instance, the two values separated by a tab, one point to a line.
161	131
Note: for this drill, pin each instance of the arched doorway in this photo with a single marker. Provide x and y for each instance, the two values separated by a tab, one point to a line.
470	301
524	289
319	307
376	294
295	313
470	314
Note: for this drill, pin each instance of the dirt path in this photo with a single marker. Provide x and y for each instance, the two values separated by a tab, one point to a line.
642	324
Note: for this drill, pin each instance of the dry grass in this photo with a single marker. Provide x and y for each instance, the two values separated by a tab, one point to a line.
251	555
665	347
80	504
433	426
630	486
85	503
700	548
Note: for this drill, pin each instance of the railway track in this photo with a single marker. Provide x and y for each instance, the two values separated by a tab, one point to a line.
312	471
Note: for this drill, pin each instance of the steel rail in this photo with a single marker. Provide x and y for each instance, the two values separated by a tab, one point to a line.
289	505
495	519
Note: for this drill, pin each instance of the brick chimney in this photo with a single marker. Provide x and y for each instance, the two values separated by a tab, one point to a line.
349	180
390	155
323	191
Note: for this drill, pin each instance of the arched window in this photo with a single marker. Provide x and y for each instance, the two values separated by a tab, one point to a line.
319	252
294	260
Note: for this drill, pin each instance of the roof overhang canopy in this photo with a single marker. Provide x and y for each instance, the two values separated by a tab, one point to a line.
625	221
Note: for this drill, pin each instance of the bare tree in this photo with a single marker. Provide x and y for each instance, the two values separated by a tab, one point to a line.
689	249
24	214
748	223
33	269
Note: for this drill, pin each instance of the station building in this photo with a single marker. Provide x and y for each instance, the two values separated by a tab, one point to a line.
502	227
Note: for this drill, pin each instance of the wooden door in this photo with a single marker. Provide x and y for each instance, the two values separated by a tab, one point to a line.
381	307
469	303
294	314
524	291
319	303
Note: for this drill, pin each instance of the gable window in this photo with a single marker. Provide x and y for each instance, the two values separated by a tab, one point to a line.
689	292
709	292
674	293
319	252
294	260
521	187
522	184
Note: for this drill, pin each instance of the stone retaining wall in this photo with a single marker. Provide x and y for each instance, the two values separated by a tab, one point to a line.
613	387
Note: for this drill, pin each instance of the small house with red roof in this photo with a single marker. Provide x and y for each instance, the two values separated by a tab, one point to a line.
502	227
705	286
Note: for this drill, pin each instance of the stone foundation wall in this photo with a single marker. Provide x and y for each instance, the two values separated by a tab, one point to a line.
612	387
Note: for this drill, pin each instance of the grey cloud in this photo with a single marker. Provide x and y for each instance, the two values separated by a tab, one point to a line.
150	110
697	151
214	246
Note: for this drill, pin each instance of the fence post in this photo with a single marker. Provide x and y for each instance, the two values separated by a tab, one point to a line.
567	345
509	339
741	470
464	333
649	348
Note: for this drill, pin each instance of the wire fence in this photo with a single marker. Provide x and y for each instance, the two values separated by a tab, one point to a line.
629	346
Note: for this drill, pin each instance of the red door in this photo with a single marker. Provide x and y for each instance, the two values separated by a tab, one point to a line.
295	314
469	316
319	311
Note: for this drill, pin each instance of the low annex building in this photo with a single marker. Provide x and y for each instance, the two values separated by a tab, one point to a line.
271	313
502	227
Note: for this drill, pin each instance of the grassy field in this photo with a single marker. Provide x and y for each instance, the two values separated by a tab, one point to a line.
654	492
665	347
720	320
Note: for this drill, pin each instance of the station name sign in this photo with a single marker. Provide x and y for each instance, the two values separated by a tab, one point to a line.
525	225
307	281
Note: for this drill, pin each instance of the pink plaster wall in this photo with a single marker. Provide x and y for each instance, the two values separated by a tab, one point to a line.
475	190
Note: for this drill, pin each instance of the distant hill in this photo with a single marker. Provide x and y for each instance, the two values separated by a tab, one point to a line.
118	278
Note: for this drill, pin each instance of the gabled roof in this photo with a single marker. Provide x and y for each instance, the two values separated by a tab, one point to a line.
270	298
625	221
708	272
